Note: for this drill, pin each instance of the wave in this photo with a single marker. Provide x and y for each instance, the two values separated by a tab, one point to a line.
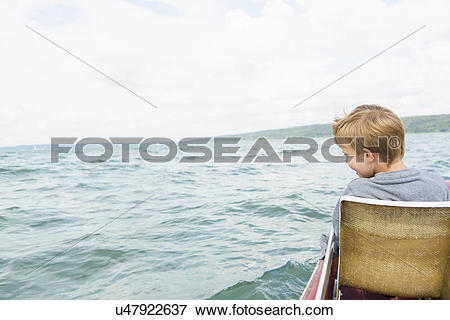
282	283
18	171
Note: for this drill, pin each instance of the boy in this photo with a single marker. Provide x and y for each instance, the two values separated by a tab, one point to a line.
373	140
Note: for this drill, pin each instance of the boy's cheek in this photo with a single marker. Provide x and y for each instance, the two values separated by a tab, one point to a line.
352	165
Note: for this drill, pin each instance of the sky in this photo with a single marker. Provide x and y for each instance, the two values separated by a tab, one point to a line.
213	66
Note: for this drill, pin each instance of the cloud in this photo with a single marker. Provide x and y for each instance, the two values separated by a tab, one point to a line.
157	6
57	14
213	67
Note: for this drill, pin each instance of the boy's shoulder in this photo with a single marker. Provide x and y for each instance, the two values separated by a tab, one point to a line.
409	185
358	187
436	183
432	176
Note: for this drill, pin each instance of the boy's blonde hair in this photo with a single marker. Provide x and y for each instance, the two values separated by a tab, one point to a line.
371	122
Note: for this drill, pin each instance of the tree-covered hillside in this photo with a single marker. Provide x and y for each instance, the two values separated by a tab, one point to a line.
415	124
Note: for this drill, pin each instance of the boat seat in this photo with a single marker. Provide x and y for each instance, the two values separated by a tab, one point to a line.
395	248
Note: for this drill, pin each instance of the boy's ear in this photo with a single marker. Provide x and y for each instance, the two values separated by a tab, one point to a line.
369	154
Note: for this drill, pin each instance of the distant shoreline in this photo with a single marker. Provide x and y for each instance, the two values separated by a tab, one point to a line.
413	124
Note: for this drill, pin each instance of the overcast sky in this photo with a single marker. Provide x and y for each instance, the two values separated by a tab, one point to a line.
213	66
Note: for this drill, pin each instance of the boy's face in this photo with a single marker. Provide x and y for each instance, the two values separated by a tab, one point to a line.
364	169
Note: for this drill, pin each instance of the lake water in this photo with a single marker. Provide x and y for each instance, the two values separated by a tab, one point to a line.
188	231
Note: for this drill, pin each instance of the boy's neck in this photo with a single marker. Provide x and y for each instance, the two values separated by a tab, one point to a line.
394	166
